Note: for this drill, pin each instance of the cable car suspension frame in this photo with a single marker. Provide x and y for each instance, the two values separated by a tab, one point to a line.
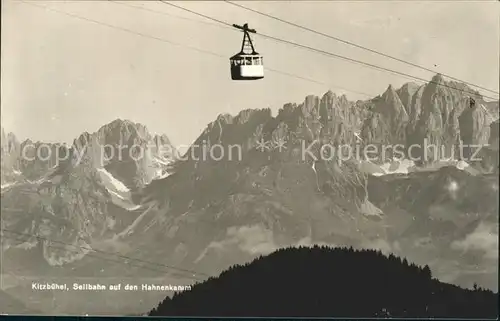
248	63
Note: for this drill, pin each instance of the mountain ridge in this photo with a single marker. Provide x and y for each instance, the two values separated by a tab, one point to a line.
333	282
210	212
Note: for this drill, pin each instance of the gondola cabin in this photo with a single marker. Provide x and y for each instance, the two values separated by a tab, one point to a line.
247	67
247	64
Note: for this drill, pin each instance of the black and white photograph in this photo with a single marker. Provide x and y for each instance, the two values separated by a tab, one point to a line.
334	159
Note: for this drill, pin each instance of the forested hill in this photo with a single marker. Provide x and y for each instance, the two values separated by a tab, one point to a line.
329	282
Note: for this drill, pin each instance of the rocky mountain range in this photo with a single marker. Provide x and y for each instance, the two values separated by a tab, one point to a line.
253	183
74	192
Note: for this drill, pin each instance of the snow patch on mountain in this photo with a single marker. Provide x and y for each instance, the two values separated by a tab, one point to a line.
161	164
461	165
6	185
395	167
110	182
120	194
161	160
407	166
130	229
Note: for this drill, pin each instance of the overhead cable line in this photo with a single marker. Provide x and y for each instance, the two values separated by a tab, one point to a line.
102	258
168	14
144	35
355	45
224	26
193	273
327	53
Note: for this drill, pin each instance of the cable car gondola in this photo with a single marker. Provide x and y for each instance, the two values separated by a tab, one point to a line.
247	64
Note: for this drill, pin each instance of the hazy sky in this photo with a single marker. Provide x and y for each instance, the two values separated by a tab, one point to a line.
62	75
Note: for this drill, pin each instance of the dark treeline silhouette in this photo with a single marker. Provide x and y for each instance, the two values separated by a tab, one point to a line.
329	282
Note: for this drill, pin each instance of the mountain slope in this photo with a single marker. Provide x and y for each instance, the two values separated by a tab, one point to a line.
76	199
326	282
255	182
128	151
447	219
9	148
388	122
263	199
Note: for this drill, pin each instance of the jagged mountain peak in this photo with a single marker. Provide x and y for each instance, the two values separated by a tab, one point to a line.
162	139
82	138
331	110
243	117
410	86
120	122
407	93
333	99
8	138
127	150
120	127
387	121
390	94
391	106
225	118
329	94
494	130
435	112
120	131
438	78
312	103
439	85
228	129
8	156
